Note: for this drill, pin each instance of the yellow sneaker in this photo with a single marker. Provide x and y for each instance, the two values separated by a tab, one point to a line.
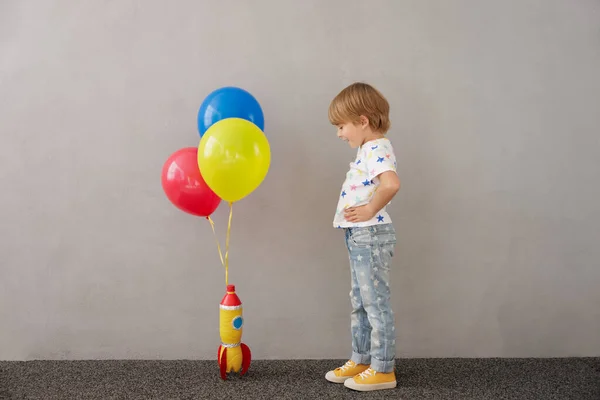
346	371
371	380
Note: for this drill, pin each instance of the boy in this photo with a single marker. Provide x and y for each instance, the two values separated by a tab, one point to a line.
361	114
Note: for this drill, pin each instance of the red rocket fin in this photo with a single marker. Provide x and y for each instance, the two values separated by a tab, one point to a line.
223	364
246	358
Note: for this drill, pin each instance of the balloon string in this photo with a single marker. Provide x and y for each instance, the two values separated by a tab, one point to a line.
225	262
227	244
212	224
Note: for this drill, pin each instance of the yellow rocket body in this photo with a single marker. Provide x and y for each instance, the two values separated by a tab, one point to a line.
230	338
233	355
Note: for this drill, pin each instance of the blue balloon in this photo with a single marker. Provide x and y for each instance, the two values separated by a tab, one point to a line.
229	102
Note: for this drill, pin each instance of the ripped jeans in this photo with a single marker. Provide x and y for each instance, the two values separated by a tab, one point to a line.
370	251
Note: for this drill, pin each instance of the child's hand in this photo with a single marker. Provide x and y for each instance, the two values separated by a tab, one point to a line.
359	214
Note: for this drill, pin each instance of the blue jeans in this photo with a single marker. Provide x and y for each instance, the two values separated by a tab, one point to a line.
370	250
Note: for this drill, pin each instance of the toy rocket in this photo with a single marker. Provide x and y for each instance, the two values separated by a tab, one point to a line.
233	355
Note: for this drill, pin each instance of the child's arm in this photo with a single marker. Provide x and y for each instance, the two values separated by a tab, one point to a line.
389	184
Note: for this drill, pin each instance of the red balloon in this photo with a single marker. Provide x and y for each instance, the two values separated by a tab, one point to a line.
184	186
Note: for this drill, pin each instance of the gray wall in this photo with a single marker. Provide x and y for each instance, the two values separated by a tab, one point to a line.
495	119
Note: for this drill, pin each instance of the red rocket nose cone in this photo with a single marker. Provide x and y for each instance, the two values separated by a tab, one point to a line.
231	298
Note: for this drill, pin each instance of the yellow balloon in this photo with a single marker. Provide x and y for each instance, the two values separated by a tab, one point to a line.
234	157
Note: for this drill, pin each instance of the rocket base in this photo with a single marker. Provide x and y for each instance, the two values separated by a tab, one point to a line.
222	360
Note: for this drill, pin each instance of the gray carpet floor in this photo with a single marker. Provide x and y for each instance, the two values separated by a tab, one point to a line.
543	379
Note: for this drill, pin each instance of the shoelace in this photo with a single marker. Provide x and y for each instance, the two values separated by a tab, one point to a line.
366	373
349	364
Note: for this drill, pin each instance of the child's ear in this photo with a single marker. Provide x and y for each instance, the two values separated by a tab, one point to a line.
364	121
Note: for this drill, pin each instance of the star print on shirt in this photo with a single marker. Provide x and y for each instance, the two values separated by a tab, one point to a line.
362	181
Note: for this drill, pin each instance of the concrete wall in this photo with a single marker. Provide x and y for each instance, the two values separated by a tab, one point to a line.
495	119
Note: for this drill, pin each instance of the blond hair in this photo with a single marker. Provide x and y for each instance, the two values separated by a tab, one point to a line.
360	99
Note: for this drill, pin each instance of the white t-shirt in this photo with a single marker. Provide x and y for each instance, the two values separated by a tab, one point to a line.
372	158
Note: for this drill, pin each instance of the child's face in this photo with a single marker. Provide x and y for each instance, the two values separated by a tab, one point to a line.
353	134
